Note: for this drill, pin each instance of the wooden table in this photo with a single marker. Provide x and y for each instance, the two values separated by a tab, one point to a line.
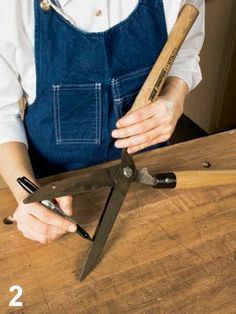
169	251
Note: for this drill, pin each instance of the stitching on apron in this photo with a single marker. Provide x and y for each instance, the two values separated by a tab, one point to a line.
96	88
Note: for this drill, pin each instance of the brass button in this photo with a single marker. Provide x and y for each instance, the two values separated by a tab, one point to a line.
45	5
98	12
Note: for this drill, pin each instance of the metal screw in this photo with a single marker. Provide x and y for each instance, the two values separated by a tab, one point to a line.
54	187
128	172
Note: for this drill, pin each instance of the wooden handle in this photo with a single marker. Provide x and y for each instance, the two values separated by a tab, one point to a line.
200	179
156	78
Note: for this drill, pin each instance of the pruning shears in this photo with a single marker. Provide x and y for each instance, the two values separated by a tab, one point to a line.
120	177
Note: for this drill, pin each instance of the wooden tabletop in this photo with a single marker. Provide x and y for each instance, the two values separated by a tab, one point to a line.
169	251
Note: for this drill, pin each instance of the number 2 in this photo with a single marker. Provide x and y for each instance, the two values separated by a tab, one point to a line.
13	301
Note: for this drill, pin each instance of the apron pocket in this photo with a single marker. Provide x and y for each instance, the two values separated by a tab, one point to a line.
125	89
77	113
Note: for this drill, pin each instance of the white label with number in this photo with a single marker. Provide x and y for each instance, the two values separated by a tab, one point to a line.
14	301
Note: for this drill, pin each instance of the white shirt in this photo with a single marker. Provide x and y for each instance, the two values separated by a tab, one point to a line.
17	65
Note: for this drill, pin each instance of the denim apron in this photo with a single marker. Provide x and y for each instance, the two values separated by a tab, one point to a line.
85	82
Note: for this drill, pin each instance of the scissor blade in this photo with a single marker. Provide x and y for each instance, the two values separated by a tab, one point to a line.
110	212
75	185
144	177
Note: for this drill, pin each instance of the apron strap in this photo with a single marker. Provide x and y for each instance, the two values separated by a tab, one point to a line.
46	5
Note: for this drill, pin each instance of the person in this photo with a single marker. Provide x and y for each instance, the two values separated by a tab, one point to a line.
79	65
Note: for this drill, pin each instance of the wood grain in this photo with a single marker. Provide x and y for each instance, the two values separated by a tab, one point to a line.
169	252
204	178
2	184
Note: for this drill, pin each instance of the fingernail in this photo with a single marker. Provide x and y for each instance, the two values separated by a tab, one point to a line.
117	144
114	133
118	124
72	228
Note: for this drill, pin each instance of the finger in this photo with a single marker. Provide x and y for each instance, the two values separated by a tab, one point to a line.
29	234
137	128
139	115
155	141
39	227
140	139
65	203
51	218
19	213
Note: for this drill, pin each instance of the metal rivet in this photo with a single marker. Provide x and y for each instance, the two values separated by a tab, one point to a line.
206	164
54	187
128	172
45	5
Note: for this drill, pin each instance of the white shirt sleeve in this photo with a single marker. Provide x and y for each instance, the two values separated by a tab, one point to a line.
186	65
11	125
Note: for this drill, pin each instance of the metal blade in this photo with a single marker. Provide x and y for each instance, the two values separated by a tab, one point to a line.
124	178
144	177
74	185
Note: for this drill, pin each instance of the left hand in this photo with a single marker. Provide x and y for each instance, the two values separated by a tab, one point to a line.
150	125
155	122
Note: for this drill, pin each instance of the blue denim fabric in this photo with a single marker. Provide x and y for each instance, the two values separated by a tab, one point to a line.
85	82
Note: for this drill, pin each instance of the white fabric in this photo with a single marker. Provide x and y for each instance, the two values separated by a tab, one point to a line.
17	66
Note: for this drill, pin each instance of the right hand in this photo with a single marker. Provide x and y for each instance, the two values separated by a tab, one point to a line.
40	224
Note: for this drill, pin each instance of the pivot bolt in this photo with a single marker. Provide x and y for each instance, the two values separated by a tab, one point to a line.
128	172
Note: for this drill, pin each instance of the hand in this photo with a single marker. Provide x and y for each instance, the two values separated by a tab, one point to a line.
153	123
150	125
40	224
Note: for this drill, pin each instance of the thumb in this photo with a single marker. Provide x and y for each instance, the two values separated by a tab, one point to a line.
65	203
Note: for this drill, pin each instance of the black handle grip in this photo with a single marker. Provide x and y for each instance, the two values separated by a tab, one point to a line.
165	180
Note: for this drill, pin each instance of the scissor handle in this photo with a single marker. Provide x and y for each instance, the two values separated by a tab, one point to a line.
207	178
195	179
156	78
